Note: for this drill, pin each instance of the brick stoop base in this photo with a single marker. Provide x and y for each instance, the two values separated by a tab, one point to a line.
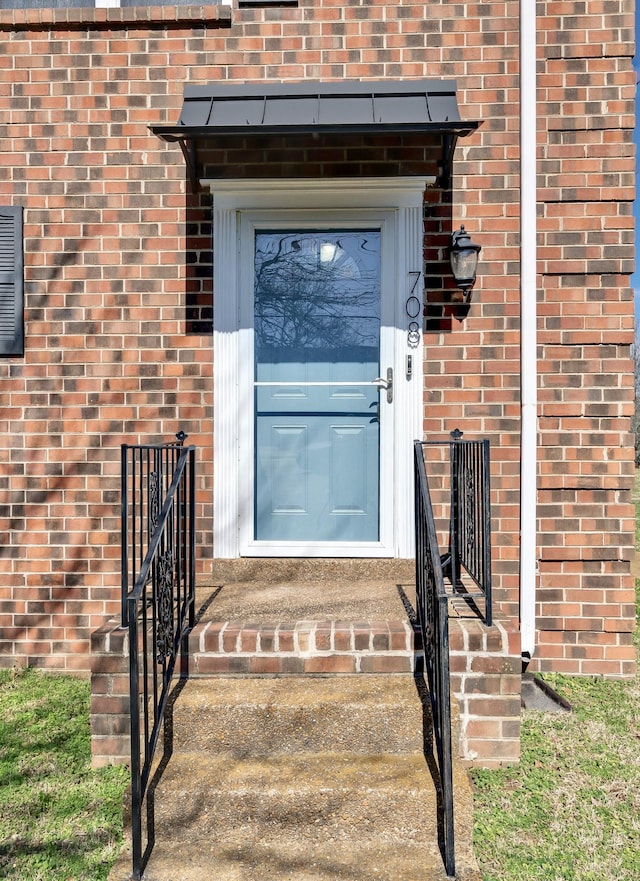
486	678
485	671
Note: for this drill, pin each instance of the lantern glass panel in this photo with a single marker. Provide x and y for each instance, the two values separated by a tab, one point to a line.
463	264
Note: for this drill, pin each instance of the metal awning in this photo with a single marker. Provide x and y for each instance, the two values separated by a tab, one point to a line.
346	107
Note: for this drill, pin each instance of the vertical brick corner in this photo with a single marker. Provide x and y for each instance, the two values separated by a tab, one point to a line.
110	727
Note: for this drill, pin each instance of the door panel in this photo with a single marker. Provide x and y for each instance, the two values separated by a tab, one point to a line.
351	466
317	352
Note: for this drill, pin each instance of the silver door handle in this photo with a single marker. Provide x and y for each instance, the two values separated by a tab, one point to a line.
385	383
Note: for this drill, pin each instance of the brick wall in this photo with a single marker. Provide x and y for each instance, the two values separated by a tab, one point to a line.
118	286
118	306
585	192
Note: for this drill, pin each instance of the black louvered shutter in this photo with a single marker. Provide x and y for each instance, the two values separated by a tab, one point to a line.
11	282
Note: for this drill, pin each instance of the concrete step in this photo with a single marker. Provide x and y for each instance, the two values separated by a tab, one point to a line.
318	817
265	717
329	790
309	779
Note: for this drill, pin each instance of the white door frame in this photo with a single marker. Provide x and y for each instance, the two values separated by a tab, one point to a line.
395	201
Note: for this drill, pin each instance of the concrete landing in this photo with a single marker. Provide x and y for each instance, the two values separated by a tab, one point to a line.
274	601
301	779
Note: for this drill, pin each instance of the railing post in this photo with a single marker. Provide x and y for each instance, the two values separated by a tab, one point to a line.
124	532
445	758
134	714
192	537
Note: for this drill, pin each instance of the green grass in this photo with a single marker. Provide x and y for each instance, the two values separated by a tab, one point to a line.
59	819
571	810
636	500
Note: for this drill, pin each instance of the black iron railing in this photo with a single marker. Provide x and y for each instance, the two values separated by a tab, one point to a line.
145	474
432	609
160	608
469	506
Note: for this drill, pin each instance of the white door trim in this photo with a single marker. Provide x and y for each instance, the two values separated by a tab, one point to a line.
348	200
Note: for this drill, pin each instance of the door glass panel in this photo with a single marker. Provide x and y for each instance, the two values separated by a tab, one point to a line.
317	350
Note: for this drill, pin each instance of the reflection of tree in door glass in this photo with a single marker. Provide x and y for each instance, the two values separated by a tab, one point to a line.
318	290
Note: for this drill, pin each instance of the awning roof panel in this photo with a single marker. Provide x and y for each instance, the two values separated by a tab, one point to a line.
235	107
388	109
280	111
370	107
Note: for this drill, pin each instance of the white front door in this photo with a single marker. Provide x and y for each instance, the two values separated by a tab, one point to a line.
317	378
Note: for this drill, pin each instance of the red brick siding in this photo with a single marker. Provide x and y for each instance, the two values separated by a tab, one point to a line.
115	312
118	286
585	192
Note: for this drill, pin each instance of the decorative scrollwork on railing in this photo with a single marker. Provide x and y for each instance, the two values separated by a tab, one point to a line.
470	507
430	612
154	500
165	638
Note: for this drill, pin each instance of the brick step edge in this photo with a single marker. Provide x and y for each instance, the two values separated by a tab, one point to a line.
303	647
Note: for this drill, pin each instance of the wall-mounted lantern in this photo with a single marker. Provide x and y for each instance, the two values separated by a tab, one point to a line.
463	254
